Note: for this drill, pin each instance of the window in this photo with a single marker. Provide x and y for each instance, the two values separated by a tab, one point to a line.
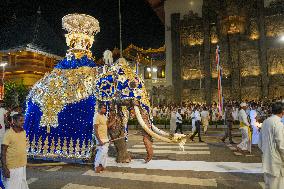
147	73
161	71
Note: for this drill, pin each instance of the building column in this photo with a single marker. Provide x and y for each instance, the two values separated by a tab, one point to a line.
176	67
262	49
206	57
234	61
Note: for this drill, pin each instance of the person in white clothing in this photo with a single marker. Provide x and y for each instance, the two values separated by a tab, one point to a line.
173	121
101	127
205	119
178	121
155	112
255	130
197	124
192	121
245	129
3	113
271	143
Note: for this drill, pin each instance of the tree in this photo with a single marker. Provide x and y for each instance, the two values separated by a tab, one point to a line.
15	94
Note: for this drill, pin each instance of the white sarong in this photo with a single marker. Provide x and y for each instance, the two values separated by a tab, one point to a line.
101	155
255	134
17	180
244	145
173	125
273	182
193	126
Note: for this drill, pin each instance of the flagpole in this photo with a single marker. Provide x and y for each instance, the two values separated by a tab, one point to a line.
219	72
199	70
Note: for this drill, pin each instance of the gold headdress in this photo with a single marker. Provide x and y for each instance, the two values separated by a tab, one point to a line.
81	29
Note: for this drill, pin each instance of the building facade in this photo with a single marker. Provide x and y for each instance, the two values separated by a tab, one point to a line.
29	48
249	35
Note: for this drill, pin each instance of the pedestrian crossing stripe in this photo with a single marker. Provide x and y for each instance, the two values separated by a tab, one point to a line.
154	178
218	167
78	186
54	169
169	151
175	147
31	180
176	144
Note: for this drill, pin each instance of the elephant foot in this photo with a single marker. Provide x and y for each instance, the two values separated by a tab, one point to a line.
124	160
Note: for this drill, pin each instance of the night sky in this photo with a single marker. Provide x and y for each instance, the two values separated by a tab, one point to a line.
140	24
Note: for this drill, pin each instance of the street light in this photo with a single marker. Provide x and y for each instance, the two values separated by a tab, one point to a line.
282	38
3	64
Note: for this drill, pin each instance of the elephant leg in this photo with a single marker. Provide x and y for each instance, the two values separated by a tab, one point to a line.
147	139
122	154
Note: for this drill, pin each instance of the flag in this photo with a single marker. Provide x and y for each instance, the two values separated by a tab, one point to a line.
219	74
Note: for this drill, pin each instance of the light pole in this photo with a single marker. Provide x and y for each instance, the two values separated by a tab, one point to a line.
3	64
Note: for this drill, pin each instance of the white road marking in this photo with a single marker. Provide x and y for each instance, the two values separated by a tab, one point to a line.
249	155
233	148
54	169
262	185
169	151
31	180
236	167
154	178
187	144
238	153
175	147
78	186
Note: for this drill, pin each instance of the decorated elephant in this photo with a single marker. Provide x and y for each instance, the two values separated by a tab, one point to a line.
61	105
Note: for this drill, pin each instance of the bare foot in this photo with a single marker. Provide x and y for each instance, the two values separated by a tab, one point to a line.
147	159
98	169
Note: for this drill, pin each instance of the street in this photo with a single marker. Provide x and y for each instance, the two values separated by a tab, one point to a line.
212	164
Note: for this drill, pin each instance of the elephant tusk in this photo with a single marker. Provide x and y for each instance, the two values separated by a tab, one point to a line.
175	138
146	128
159	131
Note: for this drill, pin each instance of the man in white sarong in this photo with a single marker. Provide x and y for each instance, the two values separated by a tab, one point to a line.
193	121
178	121
245	145
173	121
100	122
271	143
205	119
14	155
255	129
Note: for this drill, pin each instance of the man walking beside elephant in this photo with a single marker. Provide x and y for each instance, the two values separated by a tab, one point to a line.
100	126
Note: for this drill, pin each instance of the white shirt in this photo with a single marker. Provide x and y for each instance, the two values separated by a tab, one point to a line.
252	115
173	116
243	117
179	118
192	115
2	123
235	114
155	111
271	143
204	115
197	115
